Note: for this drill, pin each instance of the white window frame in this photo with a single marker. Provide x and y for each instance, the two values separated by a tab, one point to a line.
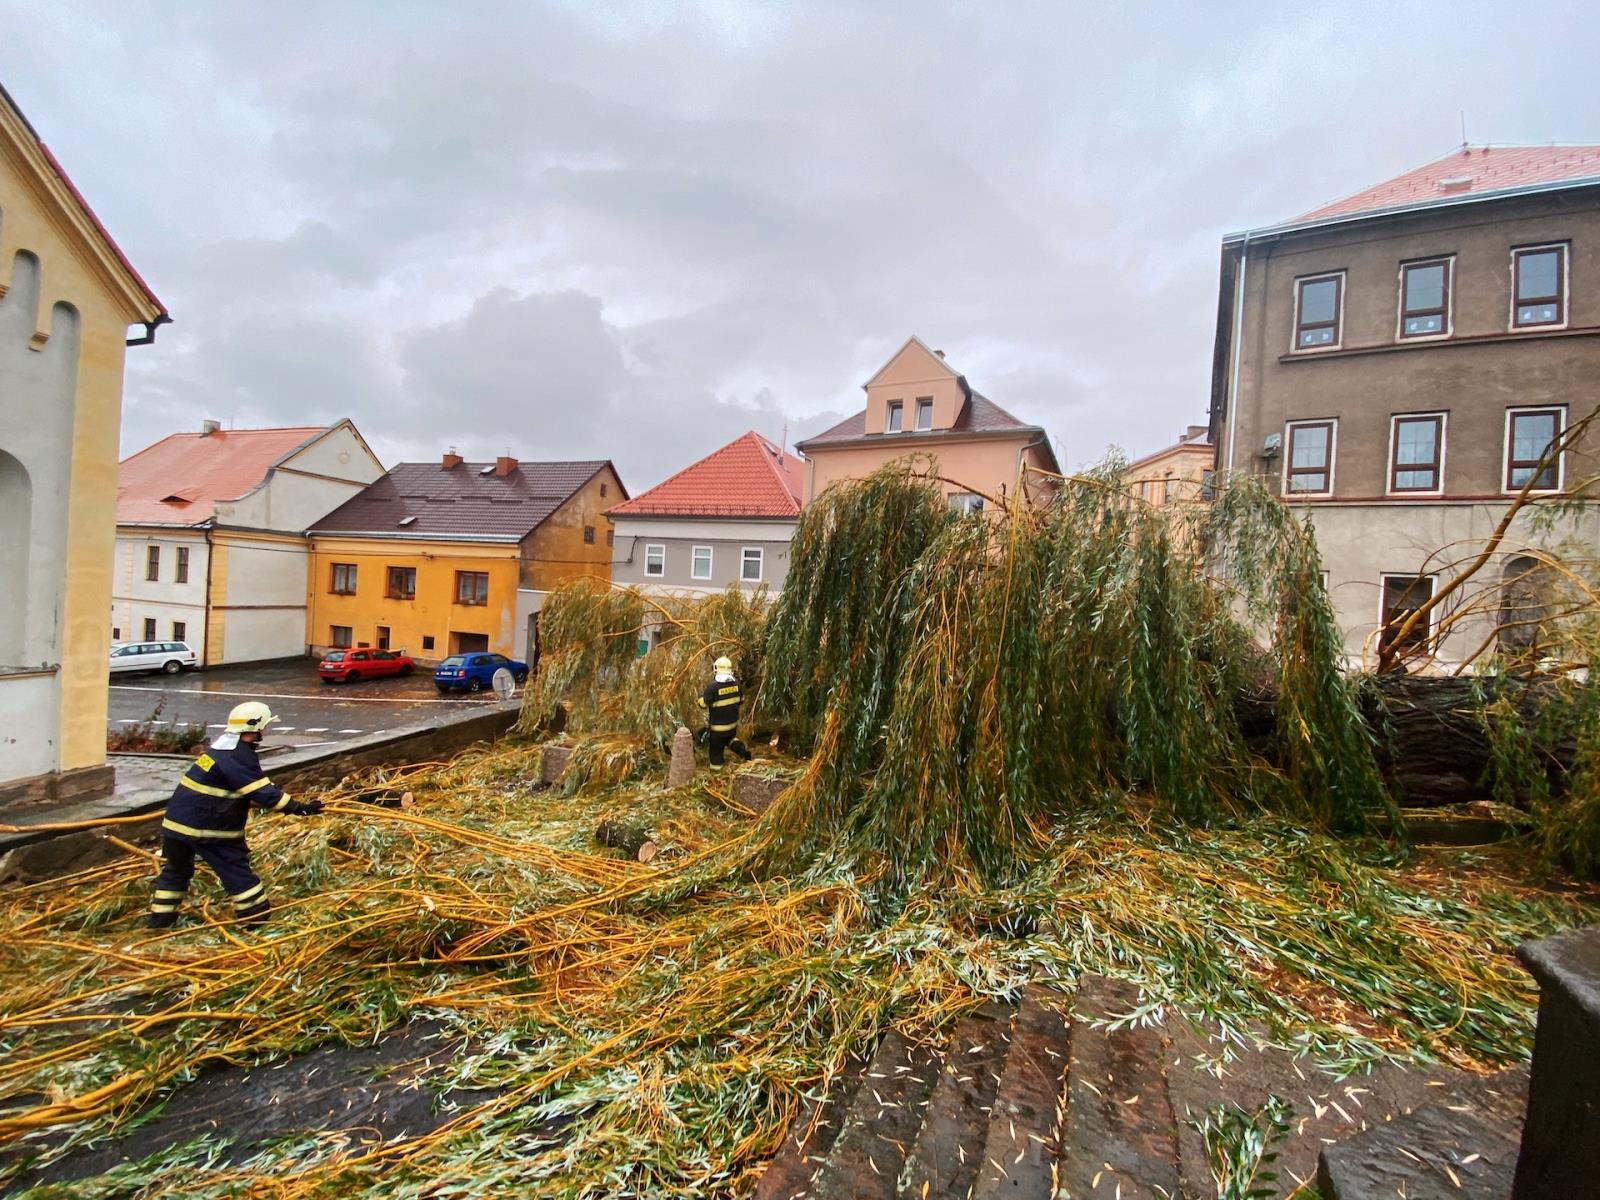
1400	334
1342	275
924	405
659	550
963	502
1411	577
694	562
1505	449
1444	442
1566	287
1288	456
894	408
760	560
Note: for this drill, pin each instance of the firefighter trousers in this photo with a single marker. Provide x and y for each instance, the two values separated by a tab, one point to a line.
229	859
727	739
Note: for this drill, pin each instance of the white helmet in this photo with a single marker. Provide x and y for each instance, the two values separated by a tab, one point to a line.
250	717
723	664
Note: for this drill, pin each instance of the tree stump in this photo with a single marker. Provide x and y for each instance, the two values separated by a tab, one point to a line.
630	838
682	769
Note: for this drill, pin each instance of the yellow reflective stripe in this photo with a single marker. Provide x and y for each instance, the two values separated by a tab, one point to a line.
283	803
205	789
191	831
163	908
256	786
165	895
248	894
723	728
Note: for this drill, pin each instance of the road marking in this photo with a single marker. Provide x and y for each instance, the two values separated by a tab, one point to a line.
352	731
324	729
202	692
219	725
126	721
284	729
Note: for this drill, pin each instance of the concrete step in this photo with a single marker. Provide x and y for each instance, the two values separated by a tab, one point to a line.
1021	1148
948	1149
1120	1138
1464	1147
805	1146
881	1123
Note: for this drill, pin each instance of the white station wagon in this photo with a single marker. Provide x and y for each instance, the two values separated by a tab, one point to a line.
170	657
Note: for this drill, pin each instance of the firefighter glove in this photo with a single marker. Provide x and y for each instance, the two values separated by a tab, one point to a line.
303	808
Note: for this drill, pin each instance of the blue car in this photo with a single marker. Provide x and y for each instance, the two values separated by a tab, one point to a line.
475	672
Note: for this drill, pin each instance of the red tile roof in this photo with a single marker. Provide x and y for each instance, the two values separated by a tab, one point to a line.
467	500
178	480
1468	172
749	477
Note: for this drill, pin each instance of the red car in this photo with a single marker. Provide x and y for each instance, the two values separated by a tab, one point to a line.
345	666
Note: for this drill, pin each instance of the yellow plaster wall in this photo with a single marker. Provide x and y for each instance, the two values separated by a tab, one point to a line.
556	551
434	610
75	271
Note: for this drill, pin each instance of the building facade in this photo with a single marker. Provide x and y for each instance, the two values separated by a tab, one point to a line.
724	521
1174	474
444	558
1396	364
211	543
68	297
917	404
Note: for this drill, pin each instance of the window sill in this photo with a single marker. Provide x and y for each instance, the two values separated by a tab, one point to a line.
1477	339
44	669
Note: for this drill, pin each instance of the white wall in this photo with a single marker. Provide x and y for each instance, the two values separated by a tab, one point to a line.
306	487
28	733
263	598
134	597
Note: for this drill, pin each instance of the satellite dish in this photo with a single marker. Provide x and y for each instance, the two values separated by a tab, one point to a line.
503	684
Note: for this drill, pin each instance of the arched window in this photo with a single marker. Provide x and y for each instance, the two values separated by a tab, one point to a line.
16	535
1525	595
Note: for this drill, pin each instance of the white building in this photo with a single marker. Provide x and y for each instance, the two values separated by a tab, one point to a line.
211	546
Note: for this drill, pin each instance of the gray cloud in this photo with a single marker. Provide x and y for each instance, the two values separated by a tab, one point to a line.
637	231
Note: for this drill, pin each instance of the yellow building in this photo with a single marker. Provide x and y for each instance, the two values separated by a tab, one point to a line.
67	299
1175	473
436	559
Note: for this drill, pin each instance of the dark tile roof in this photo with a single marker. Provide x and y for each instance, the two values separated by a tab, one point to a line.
978	415
467	500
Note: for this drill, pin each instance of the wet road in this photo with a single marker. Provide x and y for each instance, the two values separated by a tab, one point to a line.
309	711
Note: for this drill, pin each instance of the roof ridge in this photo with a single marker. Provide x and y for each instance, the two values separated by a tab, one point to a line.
768	451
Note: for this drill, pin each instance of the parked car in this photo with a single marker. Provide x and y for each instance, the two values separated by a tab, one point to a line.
342	666
170	657
474	672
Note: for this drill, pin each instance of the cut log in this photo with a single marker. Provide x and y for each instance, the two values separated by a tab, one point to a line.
626	836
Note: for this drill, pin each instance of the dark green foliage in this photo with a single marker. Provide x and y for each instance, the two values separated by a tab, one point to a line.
1239	1147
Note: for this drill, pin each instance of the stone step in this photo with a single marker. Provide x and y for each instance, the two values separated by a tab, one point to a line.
805	1146
1464	1147
1021	1148
948	1149
880	1124
1120	1138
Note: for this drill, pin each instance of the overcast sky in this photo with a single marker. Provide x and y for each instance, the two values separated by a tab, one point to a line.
634	231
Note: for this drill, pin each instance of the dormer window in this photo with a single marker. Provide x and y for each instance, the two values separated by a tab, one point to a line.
924	414
897	417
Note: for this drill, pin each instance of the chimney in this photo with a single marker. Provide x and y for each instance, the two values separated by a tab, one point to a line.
504	465
451	460
208	427
940	353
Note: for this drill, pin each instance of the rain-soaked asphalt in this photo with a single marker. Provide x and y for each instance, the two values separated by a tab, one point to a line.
309	710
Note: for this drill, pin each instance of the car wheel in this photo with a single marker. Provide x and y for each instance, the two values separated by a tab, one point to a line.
475	685
521	677
406	670
352	677
172	667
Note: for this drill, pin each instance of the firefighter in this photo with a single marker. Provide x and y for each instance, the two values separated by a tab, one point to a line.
206	816
721	702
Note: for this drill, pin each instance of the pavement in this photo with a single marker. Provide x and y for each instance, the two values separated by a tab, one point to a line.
310	712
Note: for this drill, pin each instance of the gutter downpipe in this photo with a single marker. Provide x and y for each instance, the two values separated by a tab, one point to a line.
1238	349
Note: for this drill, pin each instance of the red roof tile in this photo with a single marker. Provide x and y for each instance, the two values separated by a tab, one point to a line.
1470	171
749	477
178	480
467	500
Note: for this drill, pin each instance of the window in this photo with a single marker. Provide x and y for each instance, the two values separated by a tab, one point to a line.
1539	286
588	535
1416	453
602	491
700	567
1166	488
181	569
924	414
1529	434
896	418
750	565
611	537
1425	298
1309	467
116	634
343	582
339	637
180	631
966	503
472	587
427	641
1318	306
149	629
655	560
1402	596
402	583
152	563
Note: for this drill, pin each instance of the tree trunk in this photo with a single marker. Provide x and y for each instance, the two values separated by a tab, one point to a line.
622	835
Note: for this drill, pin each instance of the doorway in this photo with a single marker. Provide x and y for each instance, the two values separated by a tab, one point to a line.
468	643
383	637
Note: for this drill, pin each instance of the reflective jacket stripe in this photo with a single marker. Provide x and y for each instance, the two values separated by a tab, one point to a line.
723	728
159	907
165	895
248	894
283	803
250	787
191	831
205	789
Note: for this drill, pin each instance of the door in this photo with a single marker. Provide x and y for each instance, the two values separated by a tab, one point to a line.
383	637
468	643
